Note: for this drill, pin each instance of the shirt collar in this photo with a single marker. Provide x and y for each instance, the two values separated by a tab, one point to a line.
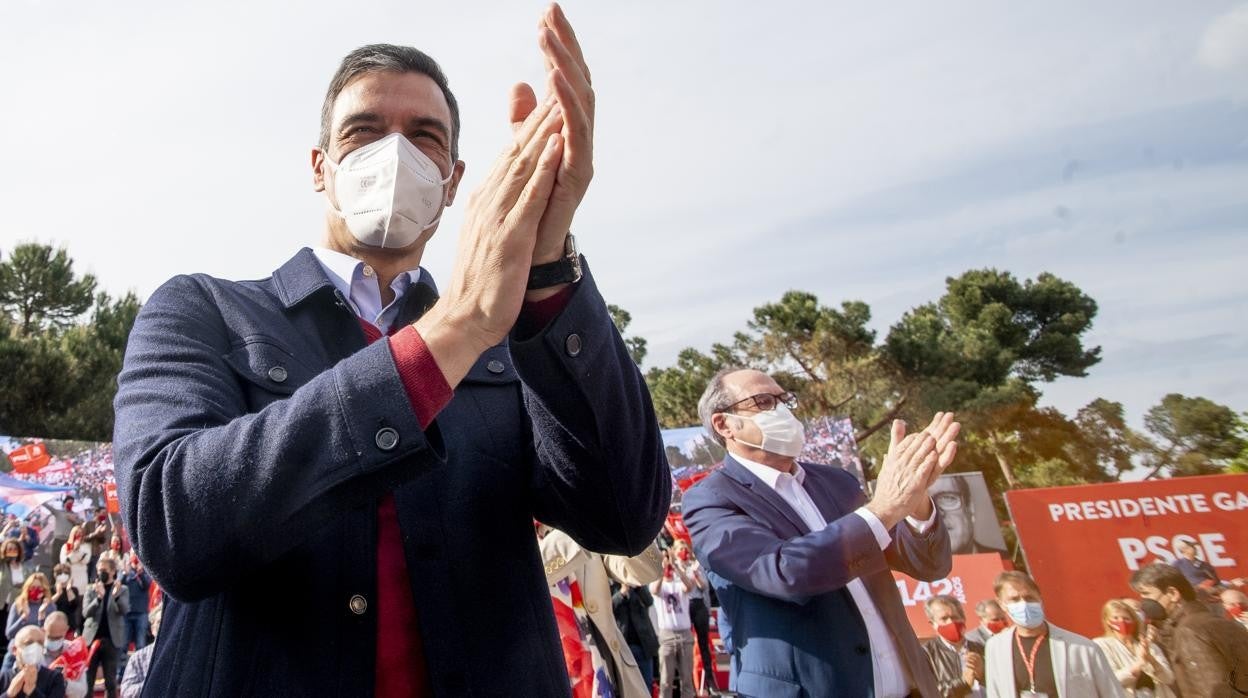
344	269
770	475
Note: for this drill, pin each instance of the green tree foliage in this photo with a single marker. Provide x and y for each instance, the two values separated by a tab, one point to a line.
1193	436
39	288
636	345
60	362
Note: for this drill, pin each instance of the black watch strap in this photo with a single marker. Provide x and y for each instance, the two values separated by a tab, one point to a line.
563	271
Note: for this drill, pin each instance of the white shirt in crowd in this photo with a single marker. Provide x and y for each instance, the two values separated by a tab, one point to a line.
892	679
672	606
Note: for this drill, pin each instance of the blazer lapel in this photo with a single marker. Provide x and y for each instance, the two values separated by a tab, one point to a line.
744	477
1057	650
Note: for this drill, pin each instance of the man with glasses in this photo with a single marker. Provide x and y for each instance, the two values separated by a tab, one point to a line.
800	558
952	496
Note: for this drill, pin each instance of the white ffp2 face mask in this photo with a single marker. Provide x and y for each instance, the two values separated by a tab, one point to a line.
389	192
31	654
783	434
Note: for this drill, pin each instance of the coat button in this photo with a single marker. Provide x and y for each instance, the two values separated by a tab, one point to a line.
495	366
860	649
386	438
573	344
591	607
278	374
358	605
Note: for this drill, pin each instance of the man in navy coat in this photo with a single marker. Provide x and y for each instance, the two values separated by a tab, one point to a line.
800	559
333	472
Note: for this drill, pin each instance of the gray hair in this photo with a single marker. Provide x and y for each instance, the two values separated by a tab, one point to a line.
714	399
950	601
387	58
982	607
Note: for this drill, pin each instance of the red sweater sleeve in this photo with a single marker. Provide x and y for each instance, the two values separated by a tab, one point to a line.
423	381
536	315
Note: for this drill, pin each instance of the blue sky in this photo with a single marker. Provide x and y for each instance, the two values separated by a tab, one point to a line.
743	149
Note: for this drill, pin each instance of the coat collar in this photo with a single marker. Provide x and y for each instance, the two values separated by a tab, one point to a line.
302	276
299	278
741	475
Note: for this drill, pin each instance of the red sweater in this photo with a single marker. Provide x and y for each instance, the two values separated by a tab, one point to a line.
400	666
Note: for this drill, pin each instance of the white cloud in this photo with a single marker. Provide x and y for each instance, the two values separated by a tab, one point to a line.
1224	45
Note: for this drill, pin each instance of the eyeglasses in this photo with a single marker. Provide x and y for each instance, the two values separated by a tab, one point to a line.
765	402
947	501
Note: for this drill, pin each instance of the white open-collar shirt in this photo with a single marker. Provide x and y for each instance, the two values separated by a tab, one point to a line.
891	677
358	282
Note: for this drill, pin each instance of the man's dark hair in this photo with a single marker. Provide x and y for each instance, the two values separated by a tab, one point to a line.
387	58
1161	576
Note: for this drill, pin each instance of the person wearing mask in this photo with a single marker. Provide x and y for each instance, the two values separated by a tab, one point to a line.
97	534
699	611
344	403
580	588
137	582
14	571
671	593
29	678
1140	666
992	620
800	559
55	628
136	669
66	596
104	611
1199	574
1208	652
957	661
631	606
77	554
1235	603
114	551
31	606
1036	658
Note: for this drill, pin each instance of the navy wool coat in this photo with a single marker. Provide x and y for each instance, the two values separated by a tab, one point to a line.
256	432
794	629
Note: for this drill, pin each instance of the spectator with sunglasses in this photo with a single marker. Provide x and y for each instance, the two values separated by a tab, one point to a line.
801	559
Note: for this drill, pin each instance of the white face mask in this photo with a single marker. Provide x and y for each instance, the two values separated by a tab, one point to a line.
389	192
32	654
62	578
783	434
56	645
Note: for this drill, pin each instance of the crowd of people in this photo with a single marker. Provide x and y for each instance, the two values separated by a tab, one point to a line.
91	614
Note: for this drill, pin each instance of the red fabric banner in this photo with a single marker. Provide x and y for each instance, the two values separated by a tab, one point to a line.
29	458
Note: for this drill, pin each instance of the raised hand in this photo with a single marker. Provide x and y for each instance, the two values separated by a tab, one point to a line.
911	465
487	286
568	81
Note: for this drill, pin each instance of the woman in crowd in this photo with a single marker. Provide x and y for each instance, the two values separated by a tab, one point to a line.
1139	664
699	611
77	554
13	571
31	606
67	598
114	552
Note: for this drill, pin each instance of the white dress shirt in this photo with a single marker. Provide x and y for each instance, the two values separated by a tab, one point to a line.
891	677
358	282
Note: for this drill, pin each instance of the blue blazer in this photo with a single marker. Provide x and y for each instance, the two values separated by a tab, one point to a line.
795	630
256	432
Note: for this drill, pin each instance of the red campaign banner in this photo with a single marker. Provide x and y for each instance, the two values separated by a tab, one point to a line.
970	582
110	497
1083	542
29	458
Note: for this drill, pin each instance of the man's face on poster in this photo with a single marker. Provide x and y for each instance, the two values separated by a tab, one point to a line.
954	504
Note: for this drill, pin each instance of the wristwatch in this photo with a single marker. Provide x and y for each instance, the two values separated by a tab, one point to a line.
563	271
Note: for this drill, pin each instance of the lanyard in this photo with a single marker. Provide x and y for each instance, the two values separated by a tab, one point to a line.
1030	662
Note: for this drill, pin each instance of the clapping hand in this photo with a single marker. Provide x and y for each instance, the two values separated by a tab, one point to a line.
911	466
